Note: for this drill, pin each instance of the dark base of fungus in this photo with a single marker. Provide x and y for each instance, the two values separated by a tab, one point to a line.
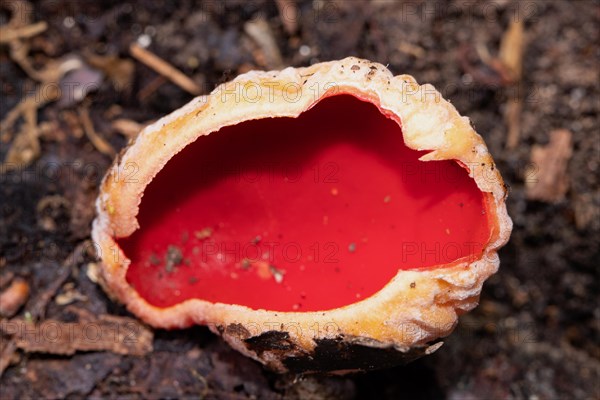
339	355
301	214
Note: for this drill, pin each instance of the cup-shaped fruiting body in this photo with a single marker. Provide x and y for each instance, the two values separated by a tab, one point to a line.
327	218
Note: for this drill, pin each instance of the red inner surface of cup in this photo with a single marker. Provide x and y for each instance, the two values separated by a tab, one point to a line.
301	214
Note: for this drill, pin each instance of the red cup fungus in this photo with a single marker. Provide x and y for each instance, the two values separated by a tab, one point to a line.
328	218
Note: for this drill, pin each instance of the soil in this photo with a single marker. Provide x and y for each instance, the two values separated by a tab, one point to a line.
536	333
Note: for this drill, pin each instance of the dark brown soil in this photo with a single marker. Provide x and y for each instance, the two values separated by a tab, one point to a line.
536	333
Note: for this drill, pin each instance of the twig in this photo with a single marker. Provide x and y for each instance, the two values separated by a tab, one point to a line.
288	13
38	309
8	34
151	87
25	147
511	65
88	127
512	116
7	353
162	67
411	49
128	127
202	379
261	33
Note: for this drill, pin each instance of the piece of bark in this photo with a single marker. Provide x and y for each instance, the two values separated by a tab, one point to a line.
549	168
119	335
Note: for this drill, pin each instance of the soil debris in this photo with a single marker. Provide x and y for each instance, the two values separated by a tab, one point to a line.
173	258
277	273
69	295
203	234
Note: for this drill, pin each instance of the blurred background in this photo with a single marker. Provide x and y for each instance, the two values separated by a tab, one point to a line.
79	79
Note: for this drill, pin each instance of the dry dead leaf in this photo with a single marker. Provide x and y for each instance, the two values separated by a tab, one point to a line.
549	168
512	47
